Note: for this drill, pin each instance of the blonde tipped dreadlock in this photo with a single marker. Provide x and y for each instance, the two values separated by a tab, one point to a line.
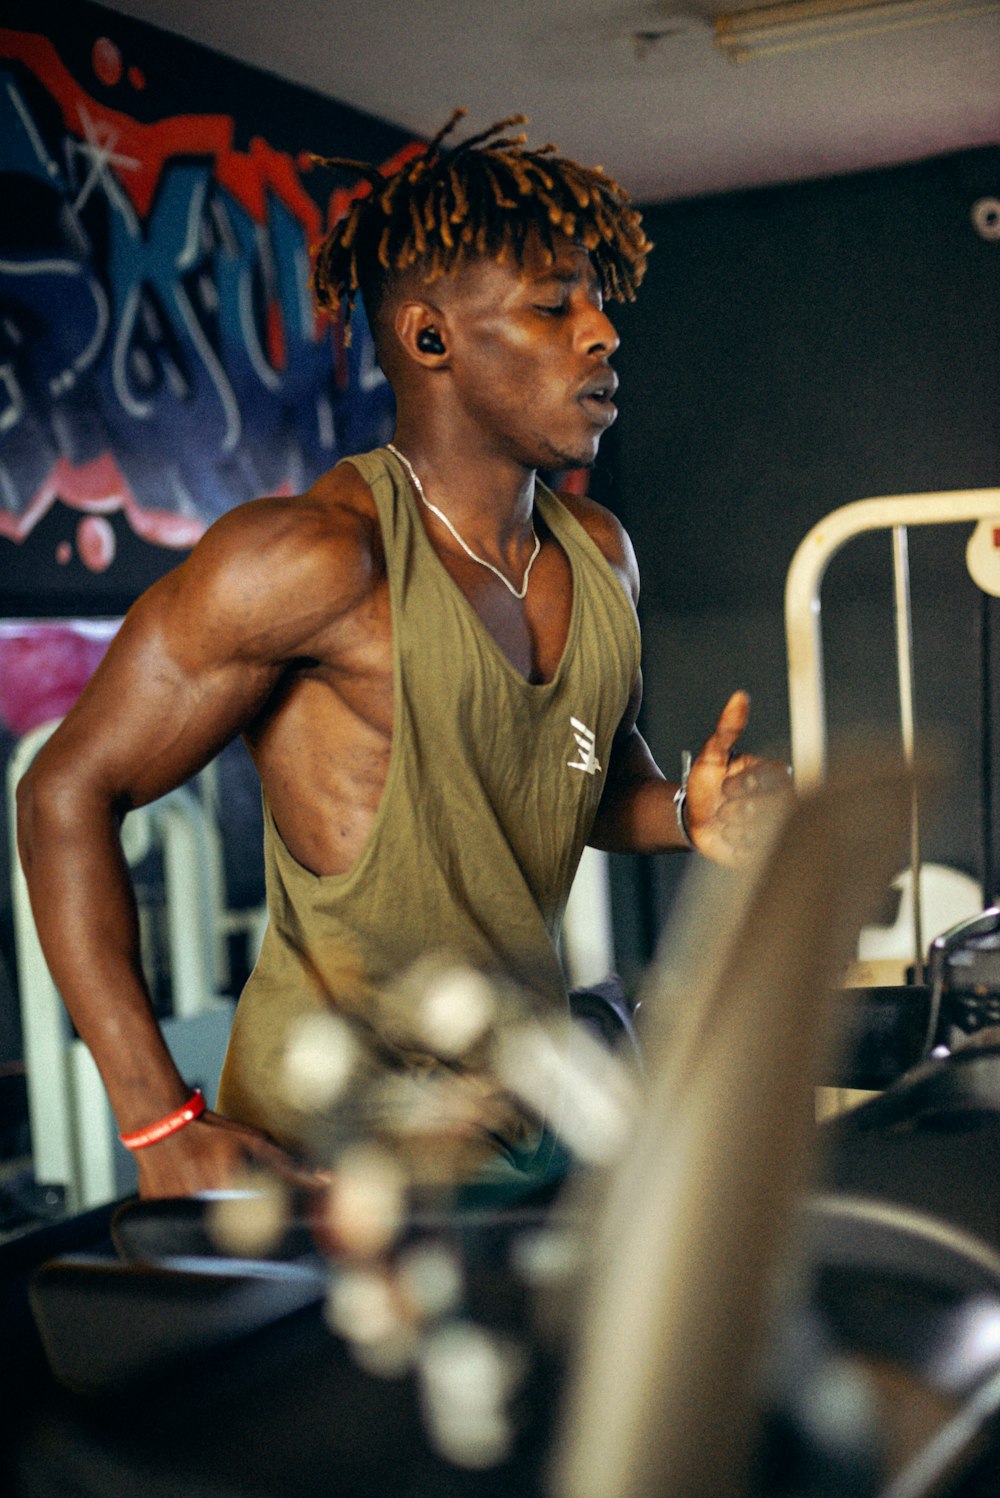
482	197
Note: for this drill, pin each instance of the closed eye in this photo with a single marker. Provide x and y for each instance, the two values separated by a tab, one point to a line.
552	309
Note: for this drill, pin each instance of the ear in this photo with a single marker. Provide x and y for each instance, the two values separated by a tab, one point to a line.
420	328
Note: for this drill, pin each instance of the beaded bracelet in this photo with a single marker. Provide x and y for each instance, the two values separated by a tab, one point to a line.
164	1127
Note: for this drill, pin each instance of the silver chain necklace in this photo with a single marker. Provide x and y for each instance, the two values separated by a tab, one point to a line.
517	592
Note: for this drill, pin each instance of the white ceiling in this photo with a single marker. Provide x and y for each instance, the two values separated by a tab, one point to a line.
681	120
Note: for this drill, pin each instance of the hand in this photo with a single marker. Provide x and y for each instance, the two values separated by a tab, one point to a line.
208	1154
733	799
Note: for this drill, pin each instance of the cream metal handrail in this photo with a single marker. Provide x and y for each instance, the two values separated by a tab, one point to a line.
804	639
802	599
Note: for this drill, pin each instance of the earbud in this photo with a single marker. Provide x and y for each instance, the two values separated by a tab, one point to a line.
429	341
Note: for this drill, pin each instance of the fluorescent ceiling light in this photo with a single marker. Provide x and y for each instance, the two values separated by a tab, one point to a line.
801	24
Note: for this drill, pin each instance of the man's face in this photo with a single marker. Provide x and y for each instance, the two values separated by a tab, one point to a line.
529	346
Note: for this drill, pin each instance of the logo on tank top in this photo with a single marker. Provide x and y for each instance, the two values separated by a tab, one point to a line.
585	742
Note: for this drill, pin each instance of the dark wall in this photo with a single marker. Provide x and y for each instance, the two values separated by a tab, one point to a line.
794	349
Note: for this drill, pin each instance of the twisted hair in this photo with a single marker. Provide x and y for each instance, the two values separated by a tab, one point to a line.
480	198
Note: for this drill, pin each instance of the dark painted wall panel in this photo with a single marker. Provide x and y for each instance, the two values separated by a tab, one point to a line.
794	349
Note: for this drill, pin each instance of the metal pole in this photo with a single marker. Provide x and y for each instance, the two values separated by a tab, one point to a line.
904	661
990	892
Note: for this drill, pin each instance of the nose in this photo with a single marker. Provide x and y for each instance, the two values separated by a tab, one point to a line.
598	333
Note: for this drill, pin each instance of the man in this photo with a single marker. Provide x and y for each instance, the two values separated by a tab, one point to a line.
433	662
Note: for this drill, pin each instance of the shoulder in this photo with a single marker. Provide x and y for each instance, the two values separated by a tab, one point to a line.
608	535
272	573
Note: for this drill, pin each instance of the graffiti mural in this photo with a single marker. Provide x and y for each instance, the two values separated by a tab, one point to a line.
160	356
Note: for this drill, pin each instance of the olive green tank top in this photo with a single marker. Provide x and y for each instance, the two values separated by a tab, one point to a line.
491	792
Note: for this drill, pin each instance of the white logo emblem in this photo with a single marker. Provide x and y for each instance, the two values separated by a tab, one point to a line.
585	741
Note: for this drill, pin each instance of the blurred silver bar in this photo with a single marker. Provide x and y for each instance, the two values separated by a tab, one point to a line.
904	672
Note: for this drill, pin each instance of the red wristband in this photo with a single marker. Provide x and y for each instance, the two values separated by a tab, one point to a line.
164	1127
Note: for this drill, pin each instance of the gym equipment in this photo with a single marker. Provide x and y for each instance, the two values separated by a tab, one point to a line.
738	1336
731	1340
904	1233
964	974
74	1142
803	633
666	1394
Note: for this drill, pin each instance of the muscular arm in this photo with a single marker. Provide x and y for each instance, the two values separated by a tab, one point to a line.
727	793
636	814
195	661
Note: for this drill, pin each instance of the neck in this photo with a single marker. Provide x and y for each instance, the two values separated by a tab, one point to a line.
500	572
488	496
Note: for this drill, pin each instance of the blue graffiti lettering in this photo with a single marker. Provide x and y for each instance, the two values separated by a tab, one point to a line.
185	344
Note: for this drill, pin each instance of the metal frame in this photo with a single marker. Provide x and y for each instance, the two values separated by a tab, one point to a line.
802	602
807	708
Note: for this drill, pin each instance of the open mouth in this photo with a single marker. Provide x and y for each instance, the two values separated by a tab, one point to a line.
596	398
601	408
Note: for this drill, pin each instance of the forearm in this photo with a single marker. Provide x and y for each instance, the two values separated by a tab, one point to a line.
637	812
85	913
731	800
639	817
